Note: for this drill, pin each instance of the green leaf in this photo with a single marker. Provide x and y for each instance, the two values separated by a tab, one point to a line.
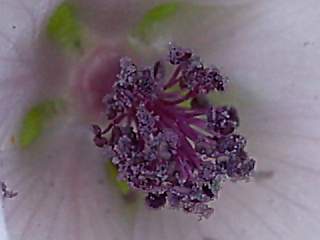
64	28
34	121
112	174
155	16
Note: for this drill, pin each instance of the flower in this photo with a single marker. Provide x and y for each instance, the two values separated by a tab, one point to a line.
269	50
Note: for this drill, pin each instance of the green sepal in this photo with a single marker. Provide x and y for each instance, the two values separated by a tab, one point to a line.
155	17
34	121
64	28
112	174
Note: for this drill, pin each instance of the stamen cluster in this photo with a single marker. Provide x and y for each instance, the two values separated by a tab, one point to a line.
179	156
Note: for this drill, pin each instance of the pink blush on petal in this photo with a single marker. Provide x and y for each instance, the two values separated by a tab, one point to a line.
94	77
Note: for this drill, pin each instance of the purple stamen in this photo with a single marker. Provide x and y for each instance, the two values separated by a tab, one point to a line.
178	156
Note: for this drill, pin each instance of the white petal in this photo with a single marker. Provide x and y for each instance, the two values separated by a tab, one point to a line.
60	180
273	60
166	224
62	191
270	51
3	228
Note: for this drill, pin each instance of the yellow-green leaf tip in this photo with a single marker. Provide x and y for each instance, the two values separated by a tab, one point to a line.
112	173
34	120
153	17
64	28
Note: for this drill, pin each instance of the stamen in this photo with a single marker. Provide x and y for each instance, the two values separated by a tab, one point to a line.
179	156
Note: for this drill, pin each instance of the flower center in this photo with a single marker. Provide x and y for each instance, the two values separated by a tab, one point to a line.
179	155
